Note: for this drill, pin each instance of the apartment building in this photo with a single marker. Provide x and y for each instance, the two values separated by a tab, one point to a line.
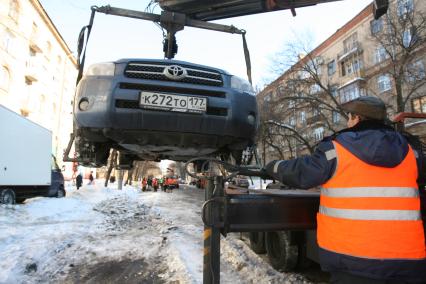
37	69
383	58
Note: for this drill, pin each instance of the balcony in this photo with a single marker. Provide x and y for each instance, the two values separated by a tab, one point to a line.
33	69
355	48
35	41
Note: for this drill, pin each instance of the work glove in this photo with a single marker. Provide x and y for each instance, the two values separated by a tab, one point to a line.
264	174
269	169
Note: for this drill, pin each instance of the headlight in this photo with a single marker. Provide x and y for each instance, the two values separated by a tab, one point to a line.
241	85
101	69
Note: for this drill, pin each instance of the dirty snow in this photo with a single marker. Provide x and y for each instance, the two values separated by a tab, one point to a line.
99	234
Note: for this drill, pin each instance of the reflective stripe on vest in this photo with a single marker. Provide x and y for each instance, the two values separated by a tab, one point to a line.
371	212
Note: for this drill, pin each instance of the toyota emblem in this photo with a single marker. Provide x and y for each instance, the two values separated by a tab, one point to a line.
175	72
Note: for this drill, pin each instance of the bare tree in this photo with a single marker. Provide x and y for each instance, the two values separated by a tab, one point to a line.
401	37
303	98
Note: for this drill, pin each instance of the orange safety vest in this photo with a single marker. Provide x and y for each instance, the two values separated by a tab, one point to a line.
371	212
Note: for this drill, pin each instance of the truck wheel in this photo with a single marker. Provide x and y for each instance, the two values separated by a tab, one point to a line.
257	242
61	192
7	196
282	254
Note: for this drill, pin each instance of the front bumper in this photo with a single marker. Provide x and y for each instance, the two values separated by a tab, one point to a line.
114	113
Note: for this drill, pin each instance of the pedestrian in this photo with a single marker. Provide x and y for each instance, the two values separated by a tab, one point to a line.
79	181
369	221
144	183
149	182
91	179
160	182
155	184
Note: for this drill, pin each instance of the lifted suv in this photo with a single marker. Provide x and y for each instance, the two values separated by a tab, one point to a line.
161	109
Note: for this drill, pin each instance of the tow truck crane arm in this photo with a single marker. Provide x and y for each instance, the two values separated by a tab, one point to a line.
208	10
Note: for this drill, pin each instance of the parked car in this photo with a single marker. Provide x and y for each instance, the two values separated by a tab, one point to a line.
240	181
161	109
171	182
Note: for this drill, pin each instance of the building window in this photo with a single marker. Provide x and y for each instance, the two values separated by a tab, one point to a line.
349	93
267	98
318	134
331	67
408	37
384	83
416	71
8	41
14	10
302	116
292	121
350	43
315	88
336	117
405	7
34	29
4	78
351	66
376	26
380	54
333	91
419	104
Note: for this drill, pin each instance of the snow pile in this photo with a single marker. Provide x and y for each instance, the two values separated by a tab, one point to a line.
99	234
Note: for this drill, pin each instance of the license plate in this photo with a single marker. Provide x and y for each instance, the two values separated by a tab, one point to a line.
151	100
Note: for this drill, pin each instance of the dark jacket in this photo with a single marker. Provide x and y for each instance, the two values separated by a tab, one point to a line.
79	181
375	144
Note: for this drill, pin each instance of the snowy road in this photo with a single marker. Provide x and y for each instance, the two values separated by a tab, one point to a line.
105	235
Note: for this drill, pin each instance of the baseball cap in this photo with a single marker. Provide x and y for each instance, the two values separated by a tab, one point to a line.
367	106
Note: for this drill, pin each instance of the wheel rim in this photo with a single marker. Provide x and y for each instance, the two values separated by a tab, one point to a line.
7	198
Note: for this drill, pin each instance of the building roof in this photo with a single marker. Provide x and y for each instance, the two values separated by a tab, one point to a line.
45	17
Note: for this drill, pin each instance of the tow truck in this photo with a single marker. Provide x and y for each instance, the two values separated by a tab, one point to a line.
282	222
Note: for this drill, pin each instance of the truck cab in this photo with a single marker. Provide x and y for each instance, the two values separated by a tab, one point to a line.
56	188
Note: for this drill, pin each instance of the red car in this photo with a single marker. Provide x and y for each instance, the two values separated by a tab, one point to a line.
171	182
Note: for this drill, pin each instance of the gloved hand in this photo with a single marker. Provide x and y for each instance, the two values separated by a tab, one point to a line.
264	174
269	169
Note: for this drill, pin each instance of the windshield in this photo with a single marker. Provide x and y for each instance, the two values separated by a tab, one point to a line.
54	164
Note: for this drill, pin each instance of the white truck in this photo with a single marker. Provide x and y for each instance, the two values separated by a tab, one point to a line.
27	166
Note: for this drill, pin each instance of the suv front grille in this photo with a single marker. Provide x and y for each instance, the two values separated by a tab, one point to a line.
155	71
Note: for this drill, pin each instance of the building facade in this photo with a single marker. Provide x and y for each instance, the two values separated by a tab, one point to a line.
37	69
383	58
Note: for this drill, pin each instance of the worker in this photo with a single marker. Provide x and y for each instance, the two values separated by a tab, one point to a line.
369	226
144	184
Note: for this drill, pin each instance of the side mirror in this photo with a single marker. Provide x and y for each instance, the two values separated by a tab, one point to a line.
380	8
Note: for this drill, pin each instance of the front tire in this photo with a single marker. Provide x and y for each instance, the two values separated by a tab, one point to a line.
61	193
7	196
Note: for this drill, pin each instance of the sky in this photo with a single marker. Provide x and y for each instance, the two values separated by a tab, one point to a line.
116	37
